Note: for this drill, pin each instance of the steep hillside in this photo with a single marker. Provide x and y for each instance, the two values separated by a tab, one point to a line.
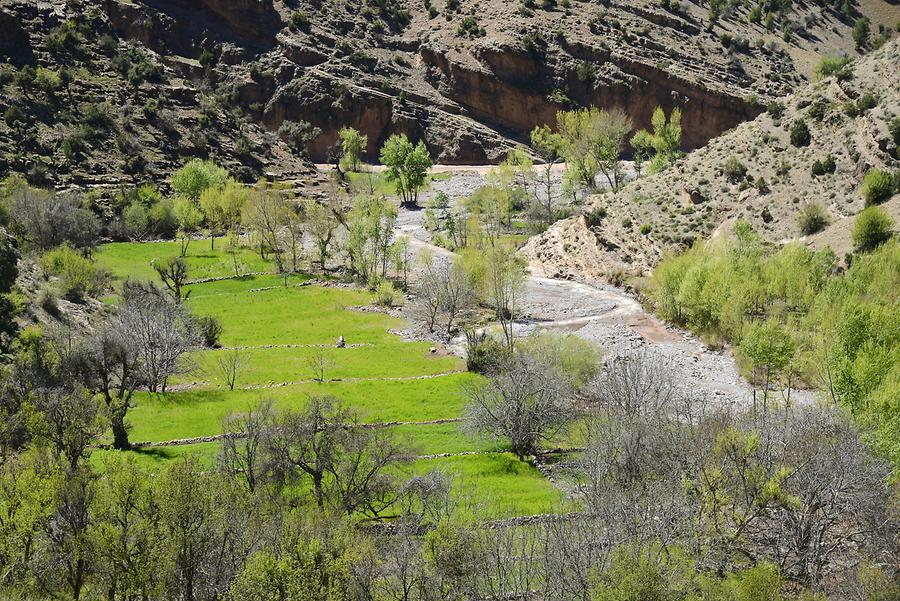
84	107
470	77
753	172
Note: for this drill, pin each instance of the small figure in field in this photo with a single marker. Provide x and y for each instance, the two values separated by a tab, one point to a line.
341	343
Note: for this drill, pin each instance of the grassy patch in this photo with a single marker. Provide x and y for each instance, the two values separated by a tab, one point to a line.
200	412
503	485
127	259
278	365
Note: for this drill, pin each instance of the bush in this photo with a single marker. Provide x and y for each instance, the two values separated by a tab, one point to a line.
596	216
484	354
822	167
775	109
835	65
800	133
209	329
77	274
646	229
873	226
386	295
877	185
866	102
734	170
813	218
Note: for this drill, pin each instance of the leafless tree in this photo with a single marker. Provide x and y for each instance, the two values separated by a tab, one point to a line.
322	225
173	273
428	290
241	453
161	329
229	363
456	294
505	279
526	401
319	362
307	443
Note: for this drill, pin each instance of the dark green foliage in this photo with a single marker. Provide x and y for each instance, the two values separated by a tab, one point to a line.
209	329
800	133
861	31
866	102
820	168
469	28
775	109
484	354
299	21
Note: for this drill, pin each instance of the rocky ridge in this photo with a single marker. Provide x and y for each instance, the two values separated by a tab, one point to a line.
752	172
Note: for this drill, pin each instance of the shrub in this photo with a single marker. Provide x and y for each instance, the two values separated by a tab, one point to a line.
734	169
469	28
775	109
77	274
646	229
800	133
299	21
209	329
834	65
873	226
822	167
877	185
484	354
866	102
47	299
813	218
596	216
386	295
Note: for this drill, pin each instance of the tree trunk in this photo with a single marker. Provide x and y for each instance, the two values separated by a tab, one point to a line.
120	434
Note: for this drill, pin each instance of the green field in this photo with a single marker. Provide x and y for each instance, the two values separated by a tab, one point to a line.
280	328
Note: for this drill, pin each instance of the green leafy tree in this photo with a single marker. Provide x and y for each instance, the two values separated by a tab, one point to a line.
407	166
353	144
196	176
222	207
770	348
189	217
593	143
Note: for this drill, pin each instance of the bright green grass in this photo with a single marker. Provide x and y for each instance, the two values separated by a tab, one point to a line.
304	315
200	412
128	259
503	485
278	365
154	459
433	439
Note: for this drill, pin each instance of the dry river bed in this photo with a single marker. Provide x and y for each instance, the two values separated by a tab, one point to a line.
608	316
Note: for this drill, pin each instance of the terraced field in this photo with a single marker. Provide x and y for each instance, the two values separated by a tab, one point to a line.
281	327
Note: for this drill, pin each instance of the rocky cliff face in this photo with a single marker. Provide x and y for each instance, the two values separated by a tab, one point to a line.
471	94
471	81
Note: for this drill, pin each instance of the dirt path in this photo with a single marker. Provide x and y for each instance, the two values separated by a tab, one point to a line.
603	314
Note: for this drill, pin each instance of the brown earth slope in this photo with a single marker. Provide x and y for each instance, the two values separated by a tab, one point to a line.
695	196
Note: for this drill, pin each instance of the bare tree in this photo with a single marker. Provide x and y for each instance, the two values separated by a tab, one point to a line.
319	362
505	281
161	329
322	224
173	273
229	363
307	443
456	294
71	421
244	433
428	290
525	402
